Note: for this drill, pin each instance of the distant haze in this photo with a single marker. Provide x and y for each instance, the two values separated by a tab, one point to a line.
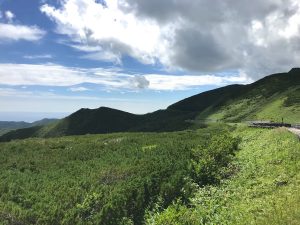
30	116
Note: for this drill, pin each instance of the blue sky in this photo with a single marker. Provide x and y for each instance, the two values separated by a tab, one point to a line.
57	56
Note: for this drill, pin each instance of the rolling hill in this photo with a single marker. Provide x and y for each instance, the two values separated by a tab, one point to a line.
272	98
6	126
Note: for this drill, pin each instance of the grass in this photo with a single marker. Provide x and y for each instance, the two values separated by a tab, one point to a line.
276	110
272	108
264	187
267	189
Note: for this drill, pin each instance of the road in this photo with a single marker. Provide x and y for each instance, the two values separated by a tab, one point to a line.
295	131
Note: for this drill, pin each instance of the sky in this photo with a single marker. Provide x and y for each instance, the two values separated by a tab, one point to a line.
57	56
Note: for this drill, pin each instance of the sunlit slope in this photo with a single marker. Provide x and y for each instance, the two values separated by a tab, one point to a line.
271	98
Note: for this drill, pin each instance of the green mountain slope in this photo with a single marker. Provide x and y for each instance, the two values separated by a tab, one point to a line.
271	98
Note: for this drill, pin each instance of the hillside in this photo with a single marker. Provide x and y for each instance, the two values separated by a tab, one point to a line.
6	126
272	98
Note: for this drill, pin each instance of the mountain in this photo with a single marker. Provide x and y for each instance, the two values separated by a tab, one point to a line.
106	120
272	98
6	126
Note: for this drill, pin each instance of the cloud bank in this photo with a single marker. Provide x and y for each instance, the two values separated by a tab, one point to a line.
108	79
257	37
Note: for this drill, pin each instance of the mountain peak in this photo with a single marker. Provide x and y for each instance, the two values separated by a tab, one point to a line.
295	70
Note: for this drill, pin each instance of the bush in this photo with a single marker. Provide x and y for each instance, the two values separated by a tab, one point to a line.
209	160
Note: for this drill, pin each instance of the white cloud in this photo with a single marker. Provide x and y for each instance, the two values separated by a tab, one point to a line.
171	82
190	35
78	89
16	93
12	32
44	56
106	56
9	16
14	100
109	29
57	75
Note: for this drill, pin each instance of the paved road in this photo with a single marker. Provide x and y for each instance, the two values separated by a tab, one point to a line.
295	131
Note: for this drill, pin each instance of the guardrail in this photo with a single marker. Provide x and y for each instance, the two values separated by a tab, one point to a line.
269	124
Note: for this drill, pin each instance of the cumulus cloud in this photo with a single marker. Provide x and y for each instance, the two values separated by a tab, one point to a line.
139	81
109	79
115	32
256	36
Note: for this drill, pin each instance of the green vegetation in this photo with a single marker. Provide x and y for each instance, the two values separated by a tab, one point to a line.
273	108
293	98
188	177
219	174
263	187
106	120
271	98
101	179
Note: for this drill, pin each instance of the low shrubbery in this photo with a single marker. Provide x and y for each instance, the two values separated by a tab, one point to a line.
189	177
105	179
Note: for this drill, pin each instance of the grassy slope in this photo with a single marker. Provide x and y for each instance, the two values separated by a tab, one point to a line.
257	108
264	188
271	98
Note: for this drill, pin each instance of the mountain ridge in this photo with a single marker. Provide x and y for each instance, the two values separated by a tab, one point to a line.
272	97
